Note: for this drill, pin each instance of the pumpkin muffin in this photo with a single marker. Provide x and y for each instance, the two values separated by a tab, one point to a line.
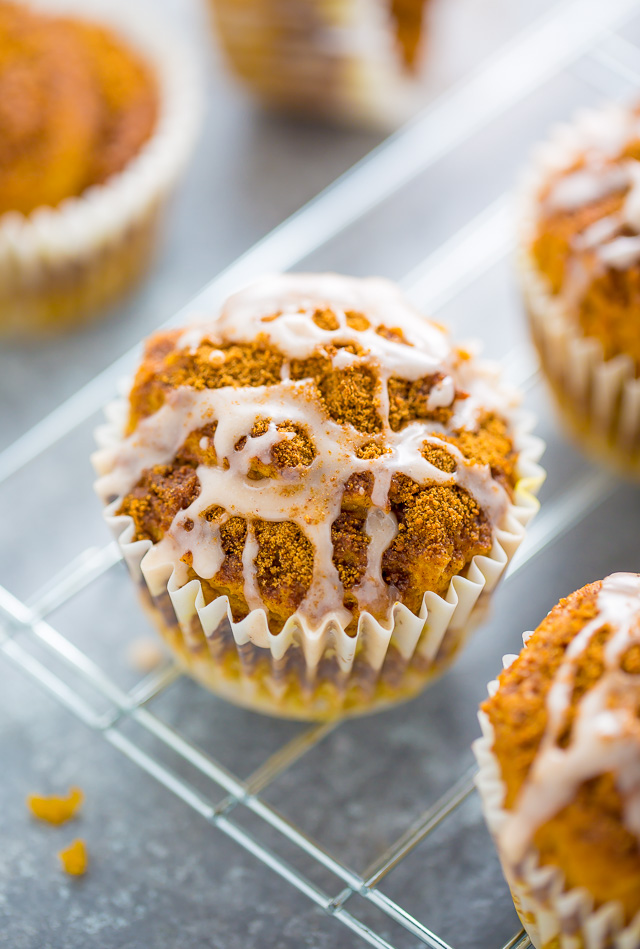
580	268
85	163
347	60
316	491
559	767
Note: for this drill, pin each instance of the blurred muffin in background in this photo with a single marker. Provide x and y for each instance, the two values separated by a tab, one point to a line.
344	60
96	122
580	273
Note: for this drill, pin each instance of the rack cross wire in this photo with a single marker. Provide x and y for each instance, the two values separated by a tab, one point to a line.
574	29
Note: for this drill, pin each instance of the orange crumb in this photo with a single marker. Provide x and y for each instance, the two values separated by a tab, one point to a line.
145	654
56	810
74	858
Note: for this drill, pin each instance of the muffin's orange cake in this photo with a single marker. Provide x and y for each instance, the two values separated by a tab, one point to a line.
79	105
306	467
560	766
580	257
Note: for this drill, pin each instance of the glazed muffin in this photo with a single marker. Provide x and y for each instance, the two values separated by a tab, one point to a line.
90	143
345	60
580	269
559	767
316	491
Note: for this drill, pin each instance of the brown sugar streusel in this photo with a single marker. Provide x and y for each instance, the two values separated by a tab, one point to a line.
320	449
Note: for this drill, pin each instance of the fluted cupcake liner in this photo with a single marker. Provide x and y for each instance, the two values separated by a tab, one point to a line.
333	58
60	265
598	398
319	673
554	916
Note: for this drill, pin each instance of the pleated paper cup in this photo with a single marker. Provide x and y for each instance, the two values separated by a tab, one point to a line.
333	59
598	399
554	916
59	266
324	672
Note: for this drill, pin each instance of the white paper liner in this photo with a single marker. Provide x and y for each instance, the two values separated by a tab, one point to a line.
554	917
85	232
600	399
426	643
337	59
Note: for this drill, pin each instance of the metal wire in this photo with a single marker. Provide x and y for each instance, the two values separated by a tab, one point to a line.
573	28
564	513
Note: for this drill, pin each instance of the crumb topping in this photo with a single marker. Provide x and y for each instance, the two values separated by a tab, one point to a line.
320	448
156	499
438	527
409	401
371	450
210	366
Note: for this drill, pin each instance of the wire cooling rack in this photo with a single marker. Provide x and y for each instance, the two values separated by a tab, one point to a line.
587	40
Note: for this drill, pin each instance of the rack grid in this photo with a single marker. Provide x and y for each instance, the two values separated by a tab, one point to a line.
585	30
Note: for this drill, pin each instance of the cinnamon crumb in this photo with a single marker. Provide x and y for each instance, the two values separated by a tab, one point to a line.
144	654
371	450
349	395
440	529
326	320
489	445
55	809
393	333
164	368
157	497
357	321
74	858
408	401
439	457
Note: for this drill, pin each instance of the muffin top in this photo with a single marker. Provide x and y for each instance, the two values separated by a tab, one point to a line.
586	229
76	105
566	721
319	448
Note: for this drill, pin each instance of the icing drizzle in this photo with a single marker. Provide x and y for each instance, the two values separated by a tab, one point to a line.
280	309
605	733
602	173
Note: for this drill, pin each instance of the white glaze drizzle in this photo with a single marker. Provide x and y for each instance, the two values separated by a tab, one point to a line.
620	253
587	185
602	173
605	736
249	554
311	496
598	233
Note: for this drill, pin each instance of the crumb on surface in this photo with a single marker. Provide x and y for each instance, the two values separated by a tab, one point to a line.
74	858
144	654
55	809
